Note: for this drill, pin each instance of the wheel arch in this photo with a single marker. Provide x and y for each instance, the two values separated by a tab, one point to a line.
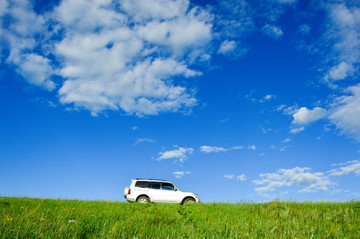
182	202
141	196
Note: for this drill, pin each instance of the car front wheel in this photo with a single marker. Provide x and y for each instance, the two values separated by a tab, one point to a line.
143	199
189	200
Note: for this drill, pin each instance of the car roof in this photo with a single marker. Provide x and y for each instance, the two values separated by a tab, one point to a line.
150	179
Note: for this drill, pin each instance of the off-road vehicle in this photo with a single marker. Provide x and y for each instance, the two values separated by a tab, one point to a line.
156	190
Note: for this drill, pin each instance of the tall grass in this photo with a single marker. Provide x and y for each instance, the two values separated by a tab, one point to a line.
45	218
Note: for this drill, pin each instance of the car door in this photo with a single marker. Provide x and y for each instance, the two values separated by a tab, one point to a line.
169	193
156	192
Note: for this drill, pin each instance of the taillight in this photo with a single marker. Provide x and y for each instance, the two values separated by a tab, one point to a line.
129	191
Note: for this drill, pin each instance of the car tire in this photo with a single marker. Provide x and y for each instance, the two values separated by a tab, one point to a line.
143	199
189	200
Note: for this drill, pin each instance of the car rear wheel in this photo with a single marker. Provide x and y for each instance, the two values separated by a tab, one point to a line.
189	200
143	199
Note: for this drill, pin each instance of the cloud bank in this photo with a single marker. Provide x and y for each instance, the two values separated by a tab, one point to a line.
299	177
124	56
346	168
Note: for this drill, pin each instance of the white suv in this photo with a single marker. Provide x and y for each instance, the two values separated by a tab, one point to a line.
153	190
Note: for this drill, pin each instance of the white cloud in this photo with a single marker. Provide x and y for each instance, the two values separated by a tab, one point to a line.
227	47
341	71
288	110
224	120
144	140
25	22
35	69
83	16
342	164
287	140
343	37
295	177
214	149
181	154
281	148
241	177
180	174
264	99
234	18
339	45
190	32
252	147
229	176
267	98
304	29
21	38
211	149
249	96
348	168
140	90
272	31
265	130
111	56
297	130
141	10
3	7
305	116
346	112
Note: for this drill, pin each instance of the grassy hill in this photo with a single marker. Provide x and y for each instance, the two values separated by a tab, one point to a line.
45	218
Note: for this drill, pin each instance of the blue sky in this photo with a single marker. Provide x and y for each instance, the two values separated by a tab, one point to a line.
234	100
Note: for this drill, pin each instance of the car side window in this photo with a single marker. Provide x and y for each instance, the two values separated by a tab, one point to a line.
155	185
142	184
168	186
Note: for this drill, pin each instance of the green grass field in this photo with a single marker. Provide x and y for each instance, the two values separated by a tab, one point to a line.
45	218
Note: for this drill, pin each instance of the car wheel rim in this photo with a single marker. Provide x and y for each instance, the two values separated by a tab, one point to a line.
142	200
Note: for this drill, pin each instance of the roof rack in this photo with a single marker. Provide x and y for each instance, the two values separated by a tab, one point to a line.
150	179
